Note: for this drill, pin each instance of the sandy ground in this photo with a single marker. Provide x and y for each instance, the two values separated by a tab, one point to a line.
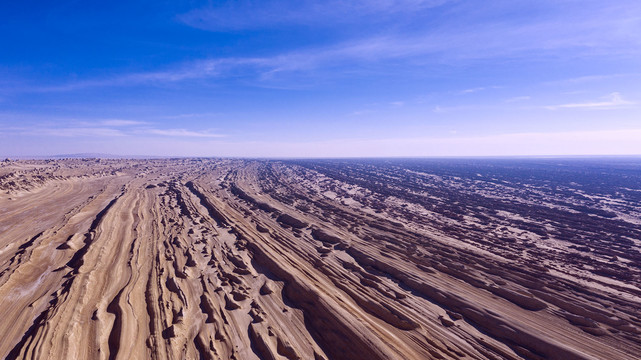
235	259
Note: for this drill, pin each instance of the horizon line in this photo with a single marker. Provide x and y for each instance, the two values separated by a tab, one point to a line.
170	157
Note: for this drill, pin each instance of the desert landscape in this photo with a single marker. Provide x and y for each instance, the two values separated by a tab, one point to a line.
195	258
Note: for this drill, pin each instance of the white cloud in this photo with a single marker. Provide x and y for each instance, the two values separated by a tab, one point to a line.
183	133
612	101
190	115
362	112
119	122
603	30
593	142
105	129
606	142
462	36
473	90
182	72
591	78
456	40
238	15
518	99
74	132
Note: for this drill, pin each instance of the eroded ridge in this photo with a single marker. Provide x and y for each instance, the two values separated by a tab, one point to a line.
385	259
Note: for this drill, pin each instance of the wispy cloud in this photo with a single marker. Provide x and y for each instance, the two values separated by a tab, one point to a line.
238	15
592	78
181	72
106	129
421	47
362	112
478	89
472	90
605	142
613	101
183	133
190	115
518	99
465	36
120	122
73	132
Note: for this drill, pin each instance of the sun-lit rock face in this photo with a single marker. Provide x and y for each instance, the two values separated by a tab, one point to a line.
239	259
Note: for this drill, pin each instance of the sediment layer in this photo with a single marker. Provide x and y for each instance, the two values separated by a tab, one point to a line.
239	259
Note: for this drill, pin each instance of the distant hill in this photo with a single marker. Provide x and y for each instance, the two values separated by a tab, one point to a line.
84	156
99	156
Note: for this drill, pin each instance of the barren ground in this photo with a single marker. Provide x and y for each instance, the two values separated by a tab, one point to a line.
241	259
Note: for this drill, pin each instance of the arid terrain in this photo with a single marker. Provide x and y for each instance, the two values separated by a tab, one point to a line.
320	259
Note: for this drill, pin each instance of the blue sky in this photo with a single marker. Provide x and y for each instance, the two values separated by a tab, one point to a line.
309	78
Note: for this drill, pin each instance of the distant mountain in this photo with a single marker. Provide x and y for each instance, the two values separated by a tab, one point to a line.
86	155
99	156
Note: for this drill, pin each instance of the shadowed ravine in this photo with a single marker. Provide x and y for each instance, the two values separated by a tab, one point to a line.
239	259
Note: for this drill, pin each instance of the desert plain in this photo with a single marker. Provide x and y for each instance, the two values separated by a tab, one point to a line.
320	259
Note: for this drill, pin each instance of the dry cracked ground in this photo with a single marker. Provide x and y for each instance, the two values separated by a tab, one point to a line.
367	259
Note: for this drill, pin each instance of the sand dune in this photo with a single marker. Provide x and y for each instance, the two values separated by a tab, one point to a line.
239	259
